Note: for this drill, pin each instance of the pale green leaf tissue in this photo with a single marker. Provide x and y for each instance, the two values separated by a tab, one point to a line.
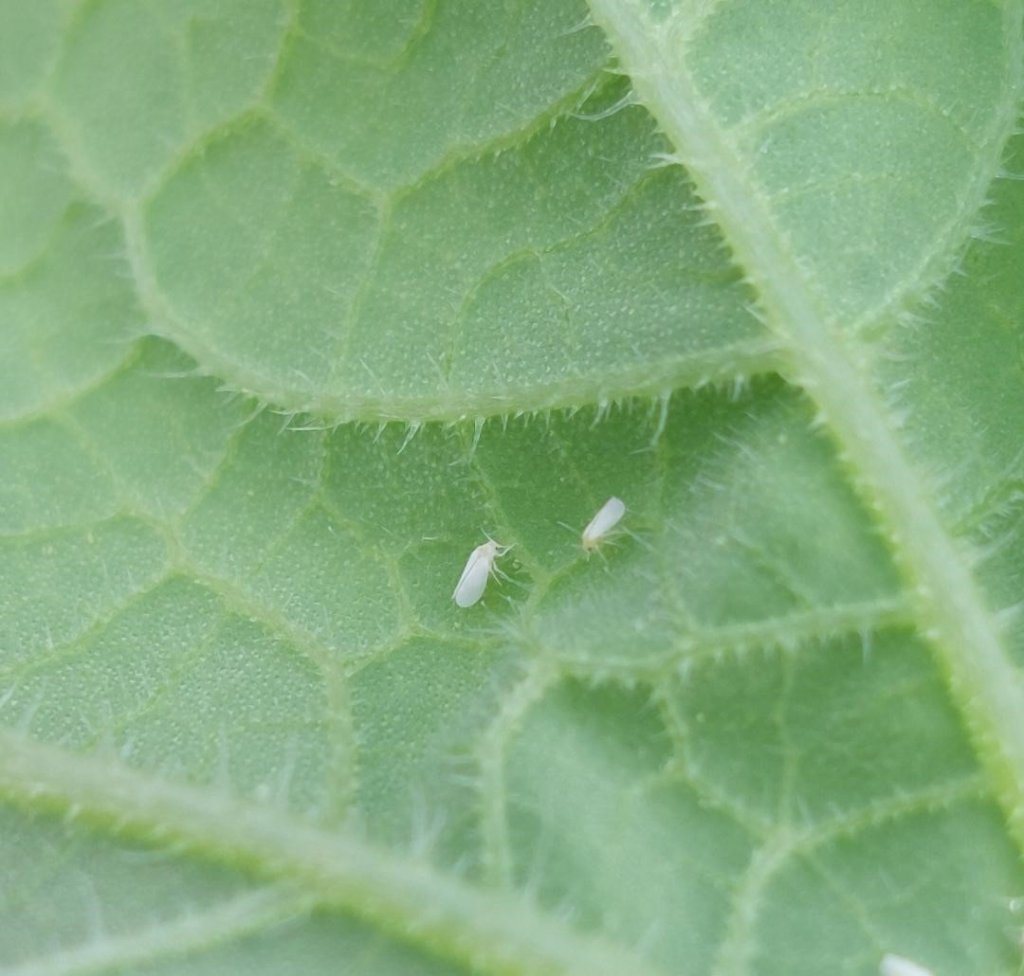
300	298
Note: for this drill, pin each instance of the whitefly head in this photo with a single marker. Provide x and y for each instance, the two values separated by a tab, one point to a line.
608	516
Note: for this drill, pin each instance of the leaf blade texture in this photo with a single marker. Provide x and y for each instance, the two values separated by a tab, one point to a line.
299	302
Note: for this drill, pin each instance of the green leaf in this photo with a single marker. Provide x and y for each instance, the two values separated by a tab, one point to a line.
767	257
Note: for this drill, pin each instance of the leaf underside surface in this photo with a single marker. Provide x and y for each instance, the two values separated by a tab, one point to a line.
301	301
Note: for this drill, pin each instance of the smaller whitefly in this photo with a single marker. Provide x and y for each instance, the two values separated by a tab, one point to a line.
893	965
608	516
478	570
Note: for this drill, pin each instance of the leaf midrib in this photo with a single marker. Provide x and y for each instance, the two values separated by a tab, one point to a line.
175	937
963	632
492	931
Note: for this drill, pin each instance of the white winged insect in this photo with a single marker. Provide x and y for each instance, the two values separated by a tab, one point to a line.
478	569
893	965
607	517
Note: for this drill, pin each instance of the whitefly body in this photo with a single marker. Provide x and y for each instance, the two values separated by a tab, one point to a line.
478	570
893	965
607	517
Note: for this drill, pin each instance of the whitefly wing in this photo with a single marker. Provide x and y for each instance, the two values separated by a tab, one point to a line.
473	580
607	517
893	965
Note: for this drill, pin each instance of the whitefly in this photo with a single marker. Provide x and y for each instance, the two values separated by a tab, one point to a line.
893	965
608	516
479	568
